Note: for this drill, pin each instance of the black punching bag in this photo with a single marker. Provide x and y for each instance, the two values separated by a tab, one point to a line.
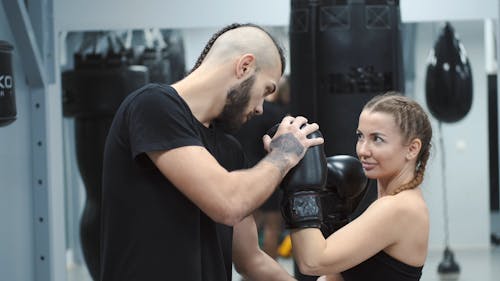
448	85
92	93
8	110
343	53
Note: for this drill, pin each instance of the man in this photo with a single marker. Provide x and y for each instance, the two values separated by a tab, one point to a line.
176	202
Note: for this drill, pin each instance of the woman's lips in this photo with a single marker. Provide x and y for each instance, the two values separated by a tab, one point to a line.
368	166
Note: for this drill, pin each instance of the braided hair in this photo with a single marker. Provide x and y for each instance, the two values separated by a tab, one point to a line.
413	123
216	35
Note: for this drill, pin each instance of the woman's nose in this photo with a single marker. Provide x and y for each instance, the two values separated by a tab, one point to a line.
362	149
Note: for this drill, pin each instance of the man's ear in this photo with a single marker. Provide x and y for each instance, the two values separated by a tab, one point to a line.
245	65
414	149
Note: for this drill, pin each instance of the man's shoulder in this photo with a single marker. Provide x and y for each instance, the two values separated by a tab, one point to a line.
155	90
152	95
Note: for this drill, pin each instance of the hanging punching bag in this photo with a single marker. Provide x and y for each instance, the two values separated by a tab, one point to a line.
92	92
8	110
448	85
342	53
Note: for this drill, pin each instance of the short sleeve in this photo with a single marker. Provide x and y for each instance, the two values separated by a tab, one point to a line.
159	120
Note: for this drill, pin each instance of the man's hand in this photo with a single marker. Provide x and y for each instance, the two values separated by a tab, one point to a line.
290	140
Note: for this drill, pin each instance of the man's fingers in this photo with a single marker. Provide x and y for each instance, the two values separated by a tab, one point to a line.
266	139
299	121
315	141
310	128
287	120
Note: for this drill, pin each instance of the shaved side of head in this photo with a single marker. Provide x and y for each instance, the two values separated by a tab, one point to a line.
244	40
239	39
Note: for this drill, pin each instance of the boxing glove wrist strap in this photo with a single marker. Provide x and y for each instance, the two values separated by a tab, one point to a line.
302	209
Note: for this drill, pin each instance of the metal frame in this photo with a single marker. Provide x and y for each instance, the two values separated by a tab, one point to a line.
34	36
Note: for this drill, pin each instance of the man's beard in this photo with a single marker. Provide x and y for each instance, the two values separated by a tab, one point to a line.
233	113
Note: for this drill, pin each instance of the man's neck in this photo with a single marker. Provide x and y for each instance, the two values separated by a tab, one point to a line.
204	94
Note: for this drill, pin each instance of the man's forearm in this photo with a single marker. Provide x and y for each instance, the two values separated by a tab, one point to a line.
251	187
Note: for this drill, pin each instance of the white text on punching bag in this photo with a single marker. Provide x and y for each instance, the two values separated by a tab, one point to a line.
5	83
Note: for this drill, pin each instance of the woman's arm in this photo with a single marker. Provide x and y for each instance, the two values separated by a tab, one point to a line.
370	233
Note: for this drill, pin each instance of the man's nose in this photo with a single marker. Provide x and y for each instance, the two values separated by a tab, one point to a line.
260	108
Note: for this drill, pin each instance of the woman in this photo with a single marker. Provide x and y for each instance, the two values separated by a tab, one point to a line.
389	240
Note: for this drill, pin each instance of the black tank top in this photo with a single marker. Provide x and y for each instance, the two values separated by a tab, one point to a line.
382	267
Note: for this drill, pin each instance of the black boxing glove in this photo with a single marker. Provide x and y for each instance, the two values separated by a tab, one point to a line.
303	187
346	181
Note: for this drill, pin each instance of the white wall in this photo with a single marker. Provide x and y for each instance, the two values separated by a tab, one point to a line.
496	33
432	10
96	14
466	148
112	14
16	212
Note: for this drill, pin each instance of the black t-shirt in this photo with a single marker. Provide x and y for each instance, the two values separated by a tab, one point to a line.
149	229
382	267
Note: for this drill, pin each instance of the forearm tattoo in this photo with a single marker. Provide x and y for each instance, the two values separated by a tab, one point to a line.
280	147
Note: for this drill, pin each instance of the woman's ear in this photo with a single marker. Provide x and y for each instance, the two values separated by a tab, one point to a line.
414	149
245	65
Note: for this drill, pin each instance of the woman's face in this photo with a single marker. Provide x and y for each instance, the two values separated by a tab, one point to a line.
380	145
